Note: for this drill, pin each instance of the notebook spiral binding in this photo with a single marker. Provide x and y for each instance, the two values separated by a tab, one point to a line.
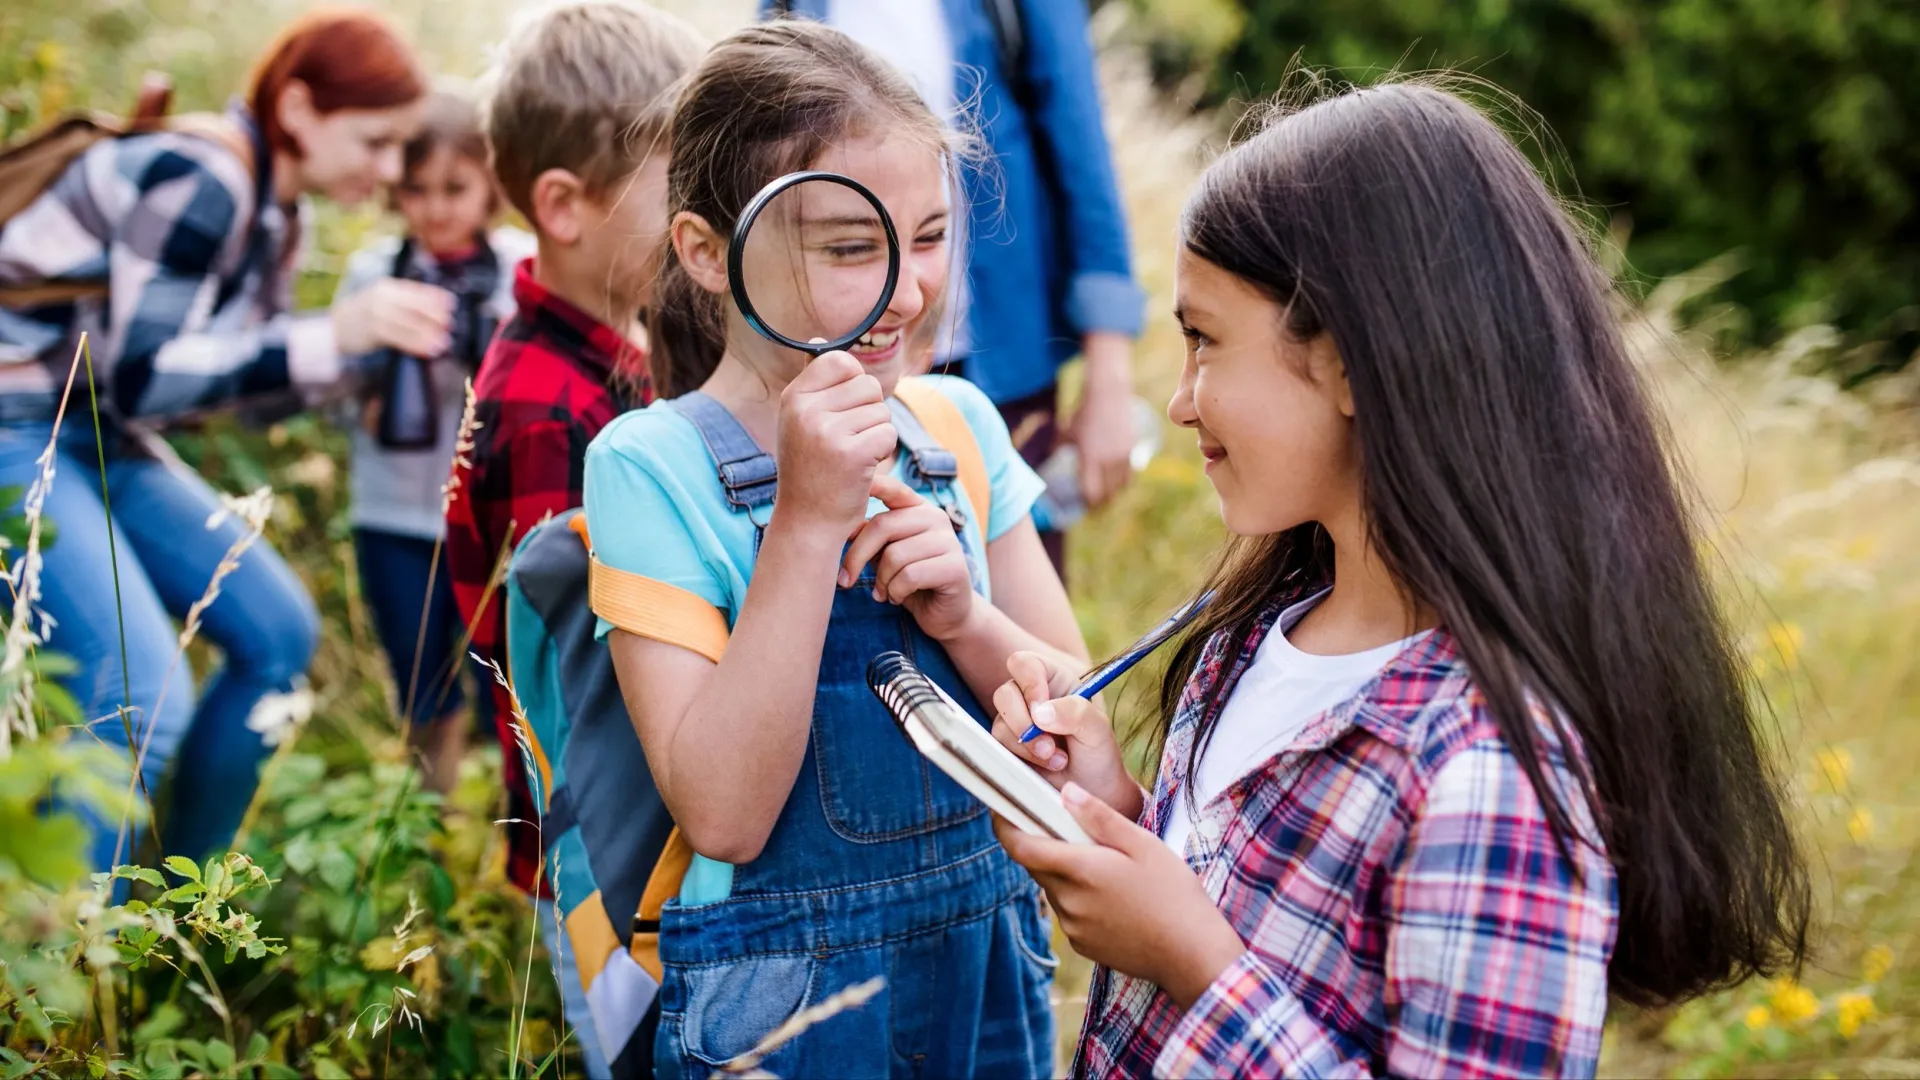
965	751
901	685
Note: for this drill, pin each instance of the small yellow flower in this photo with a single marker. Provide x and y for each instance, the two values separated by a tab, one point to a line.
1834	765
1875	965
1863	547
1759	1017
1786	638
1852	1010
1793	1003
1860	825
49	55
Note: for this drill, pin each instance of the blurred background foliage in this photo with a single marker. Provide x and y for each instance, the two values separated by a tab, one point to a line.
1784	134
1786	131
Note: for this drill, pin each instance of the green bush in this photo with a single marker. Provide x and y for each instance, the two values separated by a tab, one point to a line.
1784	130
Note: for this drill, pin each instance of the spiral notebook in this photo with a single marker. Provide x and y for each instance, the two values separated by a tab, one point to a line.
943	732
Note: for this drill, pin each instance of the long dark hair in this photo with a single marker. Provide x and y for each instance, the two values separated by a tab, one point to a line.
764	102
1515	480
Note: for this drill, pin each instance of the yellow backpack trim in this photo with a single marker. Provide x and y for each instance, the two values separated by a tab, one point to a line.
662	885
653	609
948	426
592	937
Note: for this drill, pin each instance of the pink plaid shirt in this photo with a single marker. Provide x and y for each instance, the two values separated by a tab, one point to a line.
1405	909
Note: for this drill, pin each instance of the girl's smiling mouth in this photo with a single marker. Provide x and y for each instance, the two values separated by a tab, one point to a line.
877	346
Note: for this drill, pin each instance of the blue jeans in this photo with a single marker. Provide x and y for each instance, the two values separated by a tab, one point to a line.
393	577
263	622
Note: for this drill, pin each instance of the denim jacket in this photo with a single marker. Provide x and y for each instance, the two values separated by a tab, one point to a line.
1050	260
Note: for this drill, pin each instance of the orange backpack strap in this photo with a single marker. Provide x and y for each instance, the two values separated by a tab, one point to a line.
948	426
652	609
662	885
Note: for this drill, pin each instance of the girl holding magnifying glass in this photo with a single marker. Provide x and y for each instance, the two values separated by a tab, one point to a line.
827	851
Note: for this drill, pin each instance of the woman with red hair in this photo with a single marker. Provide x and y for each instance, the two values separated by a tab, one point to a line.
194	235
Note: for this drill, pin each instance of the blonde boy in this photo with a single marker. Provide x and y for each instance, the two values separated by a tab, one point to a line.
578	105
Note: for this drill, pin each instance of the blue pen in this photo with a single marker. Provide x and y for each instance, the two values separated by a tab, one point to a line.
1119	665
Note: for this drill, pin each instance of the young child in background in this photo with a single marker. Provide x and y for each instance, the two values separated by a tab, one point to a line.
577	116
409	414
1462	744
741	624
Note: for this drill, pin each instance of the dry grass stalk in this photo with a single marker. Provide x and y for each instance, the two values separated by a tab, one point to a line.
525	743
748	1064
24	578
254	510
462	446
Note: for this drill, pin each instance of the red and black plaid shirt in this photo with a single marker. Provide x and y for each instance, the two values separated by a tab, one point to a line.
553	377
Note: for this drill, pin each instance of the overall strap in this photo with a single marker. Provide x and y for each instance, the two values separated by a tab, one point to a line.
939	469
746	471
935	463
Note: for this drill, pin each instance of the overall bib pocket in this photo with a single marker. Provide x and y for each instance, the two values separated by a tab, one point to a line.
874	785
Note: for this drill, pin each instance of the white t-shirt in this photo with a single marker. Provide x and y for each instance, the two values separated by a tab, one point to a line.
1277	696
910	33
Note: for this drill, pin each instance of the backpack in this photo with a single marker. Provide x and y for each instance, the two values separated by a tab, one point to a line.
33	164
613	855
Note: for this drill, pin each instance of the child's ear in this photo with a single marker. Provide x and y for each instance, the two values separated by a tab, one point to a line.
702	251
558	199
1330	371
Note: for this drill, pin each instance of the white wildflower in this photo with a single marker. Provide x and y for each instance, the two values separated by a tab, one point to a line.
277	718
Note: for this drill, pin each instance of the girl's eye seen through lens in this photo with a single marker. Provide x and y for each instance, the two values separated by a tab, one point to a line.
854	250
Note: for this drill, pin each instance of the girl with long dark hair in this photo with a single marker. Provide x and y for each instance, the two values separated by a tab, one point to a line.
1462	746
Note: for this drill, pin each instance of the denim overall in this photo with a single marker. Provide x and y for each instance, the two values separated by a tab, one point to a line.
879	865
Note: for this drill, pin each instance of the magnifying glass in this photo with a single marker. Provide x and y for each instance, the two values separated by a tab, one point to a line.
813	262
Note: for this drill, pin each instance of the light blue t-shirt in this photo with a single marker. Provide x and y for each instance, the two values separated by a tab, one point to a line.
655	507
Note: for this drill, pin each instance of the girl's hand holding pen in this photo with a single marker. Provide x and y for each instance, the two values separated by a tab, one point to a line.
1077	744
1099	678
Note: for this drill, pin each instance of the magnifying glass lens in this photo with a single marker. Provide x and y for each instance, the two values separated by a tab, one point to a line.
817	263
